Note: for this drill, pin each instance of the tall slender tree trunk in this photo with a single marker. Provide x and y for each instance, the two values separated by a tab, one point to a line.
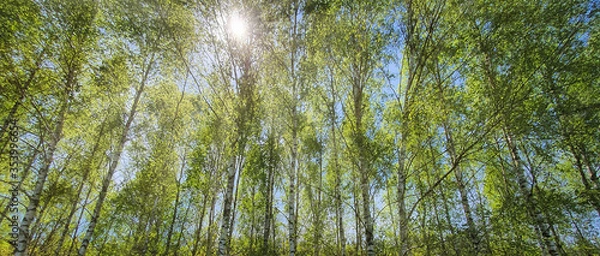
227	204
423	215
235	199
449	220
40	227
134	240
197	237
440	231
359	74
292	196
530	200
48	201
153	250
24	89
267	223
174	218
339	210
31	213
401	193
181	229
27	170
84	178
146	233
518	168
412	80
252	221
368	221
103	245
46	244
176	207
590	169
270	180
212	196
211	216
243	116
79	220
594	199
292	240
318	225
339	213
114	162
458	174
358	222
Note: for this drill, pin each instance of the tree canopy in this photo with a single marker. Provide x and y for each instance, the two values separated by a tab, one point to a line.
299	127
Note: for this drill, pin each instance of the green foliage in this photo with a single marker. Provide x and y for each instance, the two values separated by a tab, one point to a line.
465	128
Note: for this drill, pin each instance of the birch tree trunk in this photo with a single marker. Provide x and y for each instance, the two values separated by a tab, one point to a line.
269	194
114	162
339	210
181	228
176	206
410	53
24	89
358	222
402	211
235	198
361	147
211	215
318	225
30	214
458	174
594	199
531	202
227	204
518	166
36	151
292	197
199	228
292	204
84	179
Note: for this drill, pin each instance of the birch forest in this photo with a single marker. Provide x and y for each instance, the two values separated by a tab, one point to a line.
299	127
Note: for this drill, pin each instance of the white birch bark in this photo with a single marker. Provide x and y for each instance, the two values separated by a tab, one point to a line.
34	201
548	242
227	204
458	174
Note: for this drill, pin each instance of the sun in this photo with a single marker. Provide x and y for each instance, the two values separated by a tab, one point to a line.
237	26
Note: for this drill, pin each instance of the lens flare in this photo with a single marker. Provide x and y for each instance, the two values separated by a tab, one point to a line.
237	26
